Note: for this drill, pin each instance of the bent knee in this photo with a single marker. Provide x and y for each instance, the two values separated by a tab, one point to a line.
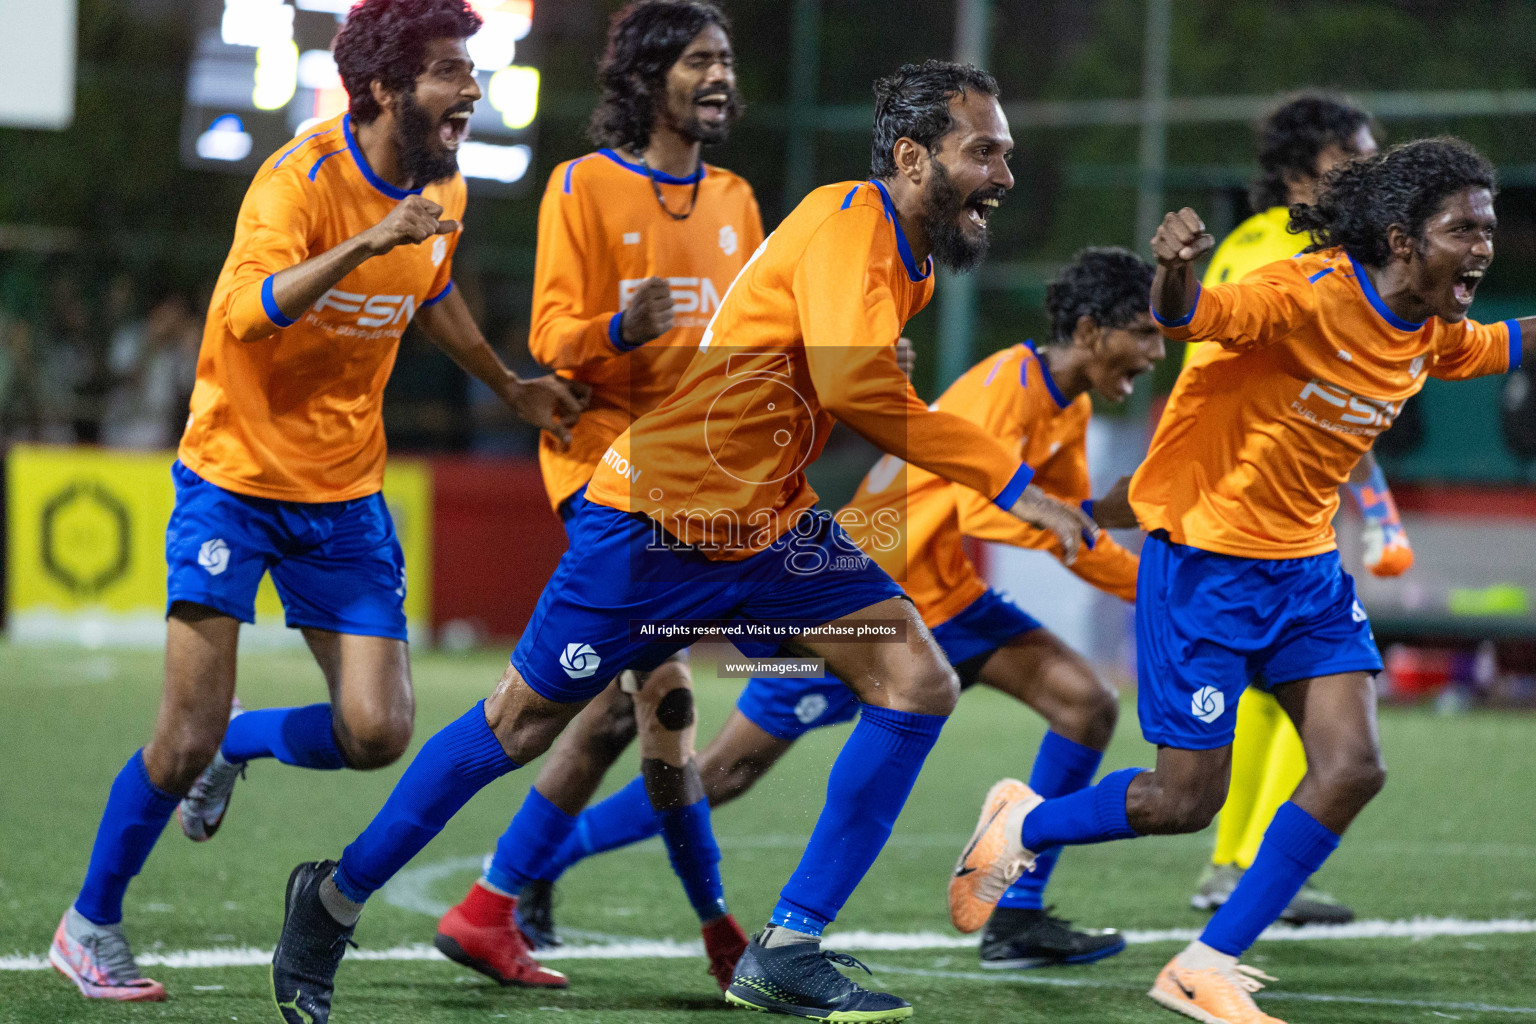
933	689
1181	811
1356	779
1091	714
375	742
174	761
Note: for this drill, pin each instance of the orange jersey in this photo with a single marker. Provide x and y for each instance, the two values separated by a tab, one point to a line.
292	409
805	335
602	233
1261	429
912	522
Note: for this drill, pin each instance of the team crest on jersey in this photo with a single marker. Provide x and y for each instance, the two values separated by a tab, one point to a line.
728	240
1416	367
439	250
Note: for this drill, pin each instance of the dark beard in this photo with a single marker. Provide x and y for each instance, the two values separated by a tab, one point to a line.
421	159
952	248
695	130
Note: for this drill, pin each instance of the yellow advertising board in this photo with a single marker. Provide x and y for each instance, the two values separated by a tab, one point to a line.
85	547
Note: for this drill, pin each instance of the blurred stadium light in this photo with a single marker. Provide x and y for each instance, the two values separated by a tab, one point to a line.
262	73
37	63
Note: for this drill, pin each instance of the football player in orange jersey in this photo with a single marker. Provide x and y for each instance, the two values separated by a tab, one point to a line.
1303	364
1037	400
343	235
700	515
637	242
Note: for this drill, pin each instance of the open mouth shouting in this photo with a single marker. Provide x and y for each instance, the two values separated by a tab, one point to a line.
979	208
454	127
713	106
1464	286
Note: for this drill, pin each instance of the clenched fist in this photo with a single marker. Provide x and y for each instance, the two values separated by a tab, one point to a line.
649	313
550	403
1181	239
414	219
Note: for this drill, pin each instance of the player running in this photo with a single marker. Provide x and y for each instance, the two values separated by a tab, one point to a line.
637	243
1240	578
912	524
343	236
1299	143
701	511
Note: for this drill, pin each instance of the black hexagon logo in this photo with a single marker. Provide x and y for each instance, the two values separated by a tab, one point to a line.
85	538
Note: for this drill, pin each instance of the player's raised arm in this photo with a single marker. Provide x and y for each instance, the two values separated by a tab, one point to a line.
549	403
1181	239
277	283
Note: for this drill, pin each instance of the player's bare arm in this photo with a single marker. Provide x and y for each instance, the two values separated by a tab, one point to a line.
550	403
649	313
1113	510
414	219
1181	239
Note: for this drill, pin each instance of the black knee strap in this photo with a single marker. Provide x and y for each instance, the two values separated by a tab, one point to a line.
675	711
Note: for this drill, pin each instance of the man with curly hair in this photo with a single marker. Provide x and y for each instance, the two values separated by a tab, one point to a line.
344	236
1302	364
912	523
637	243
1300	141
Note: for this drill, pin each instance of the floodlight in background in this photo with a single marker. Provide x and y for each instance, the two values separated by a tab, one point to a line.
37	63
262	73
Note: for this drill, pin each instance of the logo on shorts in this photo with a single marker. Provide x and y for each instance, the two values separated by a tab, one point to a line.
579	660
1207	704
1358	613
811	707
213	556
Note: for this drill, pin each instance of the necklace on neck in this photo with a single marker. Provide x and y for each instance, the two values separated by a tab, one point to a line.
656	188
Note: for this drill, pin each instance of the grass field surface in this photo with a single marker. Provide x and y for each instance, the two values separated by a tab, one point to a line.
1443	865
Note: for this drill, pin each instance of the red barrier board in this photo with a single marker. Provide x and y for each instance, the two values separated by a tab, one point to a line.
496	543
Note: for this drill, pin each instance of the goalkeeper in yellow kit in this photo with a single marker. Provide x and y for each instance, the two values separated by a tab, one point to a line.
1299	142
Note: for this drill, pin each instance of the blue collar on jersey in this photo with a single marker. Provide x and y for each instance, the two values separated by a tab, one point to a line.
1375	299
661	176
913	271
359	158
1045	375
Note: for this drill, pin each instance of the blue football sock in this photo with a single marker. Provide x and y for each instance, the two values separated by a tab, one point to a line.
695	857
1092	815
868	785
625	817
453	766
1061	767
1294	847
136	812
297	736
524	849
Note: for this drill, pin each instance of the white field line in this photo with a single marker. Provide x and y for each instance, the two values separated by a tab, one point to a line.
1051	981
857	941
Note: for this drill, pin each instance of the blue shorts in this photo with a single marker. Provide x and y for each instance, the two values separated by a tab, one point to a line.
616	578
790	708
1208	625
337	564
